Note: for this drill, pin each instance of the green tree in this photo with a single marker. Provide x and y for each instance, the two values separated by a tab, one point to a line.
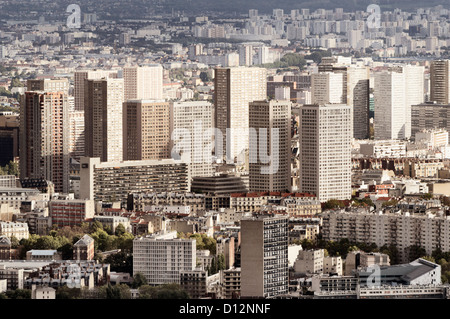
221	262
124	242
15	82
147	292
14	242
66	251
391	202
96	225
204	76
138	280
120	230
333	204
19	294
171	291
65	292
120	262
118	292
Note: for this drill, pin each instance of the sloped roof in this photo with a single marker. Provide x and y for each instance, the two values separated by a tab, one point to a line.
86	240
5	240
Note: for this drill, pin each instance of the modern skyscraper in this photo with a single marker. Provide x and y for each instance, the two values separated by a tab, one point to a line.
325	134
327	87
80	76
44	138
356	91
146	129
270	146
440	81
234	89
143	82
264	257
358	94
103	119
196	119
395	92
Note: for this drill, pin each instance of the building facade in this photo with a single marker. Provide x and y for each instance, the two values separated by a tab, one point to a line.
264	257
325	136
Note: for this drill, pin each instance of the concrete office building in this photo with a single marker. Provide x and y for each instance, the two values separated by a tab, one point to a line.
270	164
234	89
264	257
325	136
79	83
143	82
192	132
395	92
161	258
404	230
327	87
113	181
49	85
44	138
103	119
358	98
440	81
14	277
71	212
428	116
223	184
146	130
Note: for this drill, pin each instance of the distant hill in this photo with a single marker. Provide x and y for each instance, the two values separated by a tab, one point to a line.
137	9
266	6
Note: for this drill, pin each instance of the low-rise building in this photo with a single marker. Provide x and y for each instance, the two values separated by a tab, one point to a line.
231	283
194	282
43	293
309	262
14	277
43	255
12	229
71	212
83	249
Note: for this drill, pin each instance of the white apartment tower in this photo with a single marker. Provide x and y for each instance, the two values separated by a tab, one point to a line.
197	120
143	82
395	92
161	257
325	137
246	55
270	146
